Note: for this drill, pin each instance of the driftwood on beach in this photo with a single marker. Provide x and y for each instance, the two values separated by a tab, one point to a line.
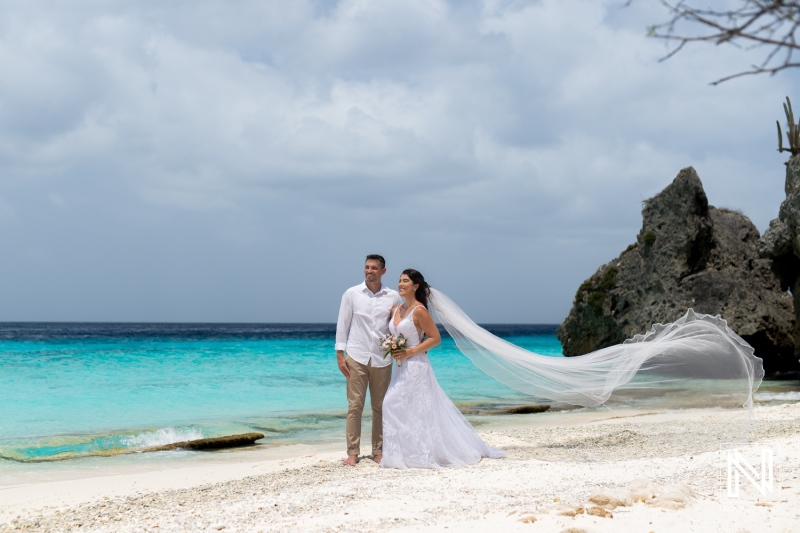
519	410
217	443
527	409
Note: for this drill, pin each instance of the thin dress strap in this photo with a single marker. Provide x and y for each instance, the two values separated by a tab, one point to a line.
420	332
408	315
411	313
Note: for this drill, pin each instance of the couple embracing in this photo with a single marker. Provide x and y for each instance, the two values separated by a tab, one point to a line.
414	423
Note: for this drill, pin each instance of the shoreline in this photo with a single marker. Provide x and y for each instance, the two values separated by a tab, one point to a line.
556	463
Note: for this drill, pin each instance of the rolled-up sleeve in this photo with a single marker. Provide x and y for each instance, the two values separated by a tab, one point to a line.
343	324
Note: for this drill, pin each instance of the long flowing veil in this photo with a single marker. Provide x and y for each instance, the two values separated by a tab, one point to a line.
696	346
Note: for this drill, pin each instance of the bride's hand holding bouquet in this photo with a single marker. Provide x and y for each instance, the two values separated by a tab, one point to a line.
394	345
400	355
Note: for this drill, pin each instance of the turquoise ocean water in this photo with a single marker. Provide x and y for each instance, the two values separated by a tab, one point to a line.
72	391
74	394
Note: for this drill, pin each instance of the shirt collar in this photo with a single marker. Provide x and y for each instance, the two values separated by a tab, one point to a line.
364	288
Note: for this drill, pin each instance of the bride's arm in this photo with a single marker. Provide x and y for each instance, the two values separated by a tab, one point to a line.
424	321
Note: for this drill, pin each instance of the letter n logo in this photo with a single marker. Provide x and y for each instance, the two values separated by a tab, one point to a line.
738	467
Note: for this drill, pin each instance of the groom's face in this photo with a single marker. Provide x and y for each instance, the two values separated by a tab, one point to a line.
373	271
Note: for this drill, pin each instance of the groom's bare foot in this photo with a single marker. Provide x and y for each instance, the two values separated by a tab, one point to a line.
378	458
350	461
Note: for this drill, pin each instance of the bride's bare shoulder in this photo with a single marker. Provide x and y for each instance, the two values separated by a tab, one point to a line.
421	312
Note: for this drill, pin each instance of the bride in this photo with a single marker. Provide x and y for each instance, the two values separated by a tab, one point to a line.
421	426
423	429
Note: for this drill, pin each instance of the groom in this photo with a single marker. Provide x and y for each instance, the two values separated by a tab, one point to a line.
363	321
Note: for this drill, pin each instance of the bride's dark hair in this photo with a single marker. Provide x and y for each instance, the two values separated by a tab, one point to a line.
424	290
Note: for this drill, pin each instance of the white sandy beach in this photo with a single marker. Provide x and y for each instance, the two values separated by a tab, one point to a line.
605	472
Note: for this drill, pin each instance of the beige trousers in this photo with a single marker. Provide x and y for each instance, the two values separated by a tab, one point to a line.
361	377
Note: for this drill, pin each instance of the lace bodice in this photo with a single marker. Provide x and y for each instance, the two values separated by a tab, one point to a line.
406	327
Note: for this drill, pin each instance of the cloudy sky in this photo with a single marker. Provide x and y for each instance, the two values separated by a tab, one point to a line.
210	160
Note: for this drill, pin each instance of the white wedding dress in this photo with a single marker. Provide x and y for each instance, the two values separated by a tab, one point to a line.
421	426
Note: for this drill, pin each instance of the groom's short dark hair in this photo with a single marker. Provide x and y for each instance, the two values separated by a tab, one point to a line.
376	257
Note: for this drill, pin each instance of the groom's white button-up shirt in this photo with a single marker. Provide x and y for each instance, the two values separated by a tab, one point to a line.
364	321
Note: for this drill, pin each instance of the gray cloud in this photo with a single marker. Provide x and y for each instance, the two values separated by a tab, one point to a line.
214	161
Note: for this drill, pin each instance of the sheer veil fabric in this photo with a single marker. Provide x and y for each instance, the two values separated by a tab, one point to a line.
696	348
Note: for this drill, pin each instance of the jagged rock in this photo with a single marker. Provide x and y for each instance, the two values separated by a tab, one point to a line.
687	254
781	243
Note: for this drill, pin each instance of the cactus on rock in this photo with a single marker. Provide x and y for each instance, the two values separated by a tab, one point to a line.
793	133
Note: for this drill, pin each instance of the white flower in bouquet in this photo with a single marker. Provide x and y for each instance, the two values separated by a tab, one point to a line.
392	343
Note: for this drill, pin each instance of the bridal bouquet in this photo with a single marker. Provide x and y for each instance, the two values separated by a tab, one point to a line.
392	343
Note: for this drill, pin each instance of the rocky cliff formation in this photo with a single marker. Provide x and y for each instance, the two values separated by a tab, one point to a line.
781	243
687	254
